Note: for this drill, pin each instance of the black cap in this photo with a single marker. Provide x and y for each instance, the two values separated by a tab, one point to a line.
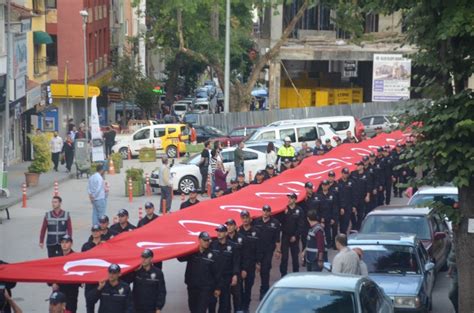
270	167
122	212
192	190
233	180
372	155
399	145
345	170
365	158
66	238
230	221
325	182
292	195
309	150
336	138
386	147
95	228
360	163
328	140
241	174
266	207
114	268
260	172
244	213
380	149
331	173
147	253
221	229
149	205
308	185
103	219
204	235
57	297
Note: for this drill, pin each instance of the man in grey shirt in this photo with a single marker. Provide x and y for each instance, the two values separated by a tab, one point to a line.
346	261
166	185
97	194
239	158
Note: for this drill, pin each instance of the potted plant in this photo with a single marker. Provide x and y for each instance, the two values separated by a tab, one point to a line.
138	182
147	154
118	161
42	159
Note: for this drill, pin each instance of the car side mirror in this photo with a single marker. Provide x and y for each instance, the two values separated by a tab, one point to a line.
439	235
429	267
327	266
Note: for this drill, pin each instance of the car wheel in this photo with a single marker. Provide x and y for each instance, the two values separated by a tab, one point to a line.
186	184
124	153
171	152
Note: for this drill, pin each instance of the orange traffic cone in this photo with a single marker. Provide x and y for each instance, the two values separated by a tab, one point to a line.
129	153
111	167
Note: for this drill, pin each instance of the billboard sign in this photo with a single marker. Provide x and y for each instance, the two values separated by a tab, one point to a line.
391	77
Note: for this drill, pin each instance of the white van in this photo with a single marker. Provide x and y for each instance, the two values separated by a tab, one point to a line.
340	124
181	107
298	133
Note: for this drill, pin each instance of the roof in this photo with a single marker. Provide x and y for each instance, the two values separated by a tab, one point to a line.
382	239
321	280
400	210
441	190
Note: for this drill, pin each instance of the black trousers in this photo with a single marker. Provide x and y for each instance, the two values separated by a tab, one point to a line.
108	149
344	220
265	268
286	247
246	291
198	299
55	158
360	205
204	176
313	266
54	250
236	293
380	196
89	306
330	232
224	299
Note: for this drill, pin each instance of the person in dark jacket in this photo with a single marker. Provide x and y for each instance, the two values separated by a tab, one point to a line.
292	224
109	141
202	275
238	239
234	186
68	151
259	178
94	240
388	175
270	171
114	295
149	288
347	209
150	215
307	204
192	200
326	208
315	249
241	181
106	232
361	192
123	225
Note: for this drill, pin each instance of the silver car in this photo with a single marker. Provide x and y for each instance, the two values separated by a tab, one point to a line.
325	292
371	122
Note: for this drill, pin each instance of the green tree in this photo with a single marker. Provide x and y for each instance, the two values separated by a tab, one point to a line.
145	98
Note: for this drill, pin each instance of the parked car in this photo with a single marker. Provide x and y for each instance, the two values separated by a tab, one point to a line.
186	176
200	106
165	138
202	94
427	225
387	122
428	194
181	107
205	132
262	145
237	135
313	292
400	265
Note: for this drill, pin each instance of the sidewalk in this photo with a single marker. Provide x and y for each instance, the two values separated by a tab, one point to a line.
16	178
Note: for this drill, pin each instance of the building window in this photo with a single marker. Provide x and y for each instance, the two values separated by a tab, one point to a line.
50	4
52	51
36	5
371	23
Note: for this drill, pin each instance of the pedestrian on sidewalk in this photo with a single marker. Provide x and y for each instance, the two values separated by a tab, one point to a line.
313	253
166	185
204	166
346	260
56	144
68	150
220	176
57	223
97	194
109	140
239	158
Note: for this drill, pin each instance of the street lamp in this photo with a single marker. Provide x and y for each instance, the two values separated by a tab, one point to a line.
85	16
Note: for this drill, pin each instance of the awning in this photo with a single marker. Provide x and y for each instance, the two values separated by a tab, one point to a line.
42	38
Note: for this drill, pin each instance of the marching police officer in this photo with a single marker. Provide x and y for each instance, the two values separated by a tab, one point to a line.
229	267
58	223
361	192
123	225
388	166
396	153
57	302
107	233
238	239
380	165
270	171
114	294
315	250
250	254
319	148
291	228
259	178
347	209
374	180
202	275
326	208
327	146
241	181
307	204
269	229
149	289
192	200
94	240
150	215
234	186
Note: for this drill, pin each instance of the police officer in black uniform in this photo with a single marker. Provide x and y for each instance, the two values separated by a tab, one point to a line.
347	209
270	171
106	232
388	166
374	180
114	295
319	148
361	192
381	171
292	220
149	288
307	204
241	180
327	145
238	239
250	254
259	178
269	229
123	224
149	215
234	186
396	153
229	267
202	275
192	200
326	208
94	240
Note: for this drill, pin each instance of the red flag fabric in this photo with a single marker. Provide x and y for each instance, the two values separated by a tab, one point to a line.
176	234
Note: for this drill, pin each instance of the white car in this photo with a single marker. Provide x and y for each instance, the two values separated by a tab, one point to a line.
181	107
186	176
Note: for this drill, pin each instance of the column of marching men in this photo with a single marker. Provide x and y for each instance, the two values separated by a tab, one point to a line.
221	274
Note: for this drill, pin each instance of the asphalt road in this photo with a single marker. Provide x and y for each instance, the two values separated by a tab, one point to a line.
19	242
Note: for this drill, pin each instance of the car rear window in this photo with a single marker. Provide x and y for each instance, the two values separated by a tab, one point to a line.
427	199
340	126
397	224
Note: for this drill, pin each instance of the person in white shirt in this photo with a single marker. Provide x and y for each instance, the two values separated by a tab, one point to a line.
271	154
166	185
346	260
56	147
97	194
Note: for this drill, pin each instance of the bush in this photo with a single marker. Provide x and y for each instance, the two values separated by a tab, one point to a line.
42	154
118	162
147	155
136	174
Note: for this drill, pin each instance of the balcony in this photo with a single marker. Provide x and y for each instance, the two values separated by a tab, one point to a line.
40	66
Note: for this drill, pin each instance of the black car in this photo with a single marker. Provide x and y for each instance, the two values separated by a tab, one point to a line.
207	132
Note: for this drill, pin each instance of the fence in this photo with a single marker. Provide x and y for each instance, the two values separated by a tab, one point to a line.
227	121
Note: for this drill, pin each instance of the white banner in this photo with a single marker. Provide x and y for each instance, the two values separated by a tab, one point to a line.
96	134
391	77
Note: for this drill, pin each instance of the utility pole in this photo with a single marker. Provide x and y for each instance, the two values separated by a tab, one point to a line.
227	58
85	15
6	136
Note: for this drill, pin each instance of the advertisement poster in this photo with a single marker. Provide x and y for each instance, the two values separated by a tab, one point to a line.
20	55
96	134
391	77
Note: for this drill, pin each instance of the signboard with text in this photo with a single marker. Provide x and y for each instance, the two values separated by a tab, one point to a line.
391	77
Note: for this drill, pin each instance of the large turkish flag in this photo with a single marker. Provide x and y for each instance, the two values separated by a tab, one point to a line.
175	234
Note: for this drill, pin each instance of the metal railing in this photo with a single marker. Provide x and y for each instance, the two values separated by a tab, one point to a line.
40	66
